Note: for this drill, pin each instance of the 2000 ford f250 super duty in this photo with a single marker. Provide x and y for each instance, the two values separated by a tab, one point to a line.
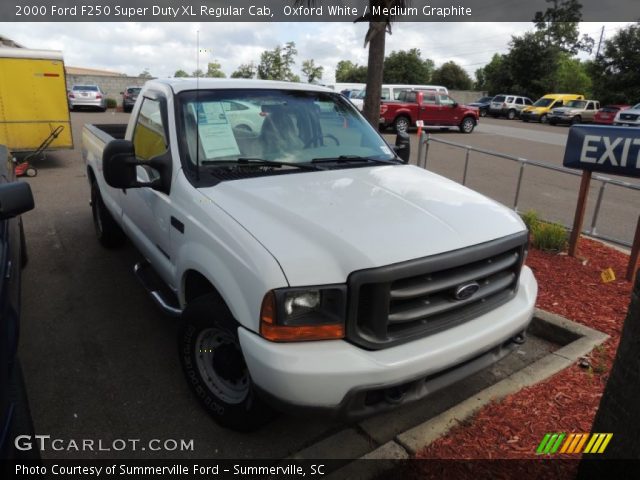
311	267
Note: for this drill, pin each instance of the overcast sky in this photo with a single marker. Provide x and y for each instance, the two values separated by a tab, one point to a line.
164	48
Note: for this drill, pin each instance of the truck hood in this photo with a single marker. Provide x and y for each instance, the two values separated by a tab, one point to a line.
322	225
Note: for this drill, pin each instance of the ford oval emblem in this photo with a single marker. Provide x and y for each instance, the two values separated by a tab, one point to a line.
466	290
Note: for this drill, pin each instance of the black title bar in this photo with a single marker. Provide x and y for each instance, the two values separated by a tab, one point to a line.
306	11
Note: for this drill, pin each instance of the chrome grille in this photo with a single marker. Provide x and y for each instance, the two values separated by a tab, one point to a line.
395	304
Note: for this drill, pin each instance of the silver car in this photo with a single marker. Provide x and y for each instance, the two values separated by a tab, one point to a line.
508	105
87	96
629	117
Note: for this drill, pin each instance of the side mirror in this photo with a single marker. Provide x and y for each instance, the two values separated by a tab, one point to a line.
454	105
403	146
15	198
119	165
121	93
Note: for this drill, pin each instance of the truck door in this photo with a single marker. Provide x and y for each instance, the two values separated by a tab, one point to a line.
146	213
428	111
447	113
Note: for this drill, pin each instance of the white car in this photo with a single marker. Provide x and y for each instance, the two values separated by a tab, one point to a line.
629	117
310	265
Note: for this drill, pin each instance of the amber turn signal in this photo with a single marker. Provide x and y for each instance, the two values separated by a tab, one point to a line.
270	330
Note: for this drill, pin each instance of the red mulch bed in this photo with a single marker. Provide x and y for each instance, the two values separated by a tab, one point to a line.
567	402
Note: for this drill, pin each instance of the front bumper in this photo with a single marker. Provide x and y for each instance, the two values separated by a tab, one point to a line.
340	378
560	118
530	116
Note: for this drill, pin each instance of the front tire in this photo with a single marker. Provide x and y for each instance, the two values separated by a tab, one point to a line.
215	368
576	120
543	118
467	125
109	233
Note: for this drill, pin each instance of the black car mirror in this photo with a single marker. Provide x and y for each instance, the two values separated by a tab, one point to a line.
403	146
15	198
119	164
454	104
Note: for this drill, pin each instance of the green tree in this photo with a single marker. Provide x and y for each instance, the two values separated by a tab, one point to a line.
246	70
559	25
214	70
349	72
145	74
452	76
197	73
277	64
572	76
532	64
407	66
616	72
495	76
180	74
312	71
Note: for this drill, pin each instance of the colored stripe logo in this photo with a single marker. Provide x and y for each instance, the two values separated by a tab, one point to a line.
573	443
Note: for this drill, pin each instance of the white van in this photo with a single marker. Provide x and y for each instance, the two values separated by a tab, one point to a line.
392	91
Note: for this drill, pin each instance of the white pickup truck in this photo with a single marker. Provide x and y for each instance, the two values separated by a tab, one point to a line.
310	265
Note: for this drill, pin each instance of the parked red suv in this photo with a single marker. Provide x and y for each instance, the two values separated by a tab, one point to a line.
433	108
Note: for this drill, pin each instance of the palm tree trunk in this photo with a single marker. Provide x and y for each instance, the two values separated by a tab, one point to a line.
371	109
619	410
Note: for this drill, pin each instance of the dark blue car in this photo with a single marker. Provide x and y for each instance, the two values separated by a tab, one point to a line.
15	199
482	104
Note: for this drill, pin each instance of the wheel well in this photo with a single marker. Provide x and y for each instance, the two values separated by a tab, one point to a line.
196	285
91	175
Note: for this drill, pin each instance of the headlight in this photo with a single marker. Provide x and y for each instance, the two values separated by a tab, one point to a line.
310	313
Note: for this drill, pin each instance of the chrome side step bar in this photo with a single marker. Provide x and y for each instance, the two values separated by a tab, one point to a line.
160	293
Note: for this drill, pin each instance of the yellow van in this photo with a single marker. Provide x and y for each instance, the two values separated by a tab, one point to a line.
34	112
540	110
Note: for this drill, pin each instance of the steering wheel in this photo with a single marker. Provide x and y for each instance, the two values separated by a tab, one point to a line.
320	137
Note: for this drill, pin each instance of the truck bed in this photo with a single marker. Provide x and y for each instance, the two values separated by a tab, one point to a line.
107	131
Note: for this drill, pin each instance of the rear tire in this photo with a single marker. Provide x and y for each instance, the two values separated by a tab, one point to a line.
109	233
511	114
215	368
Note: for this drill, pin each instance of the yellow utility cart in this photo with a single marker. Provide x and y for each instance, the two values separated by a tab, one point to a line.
34	113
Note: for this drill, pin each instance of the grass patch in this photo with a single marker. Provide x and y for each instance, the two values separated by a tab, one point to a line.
547	236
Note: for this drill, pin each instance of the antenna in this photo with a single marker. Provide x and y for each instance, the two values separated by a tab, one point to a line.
197	105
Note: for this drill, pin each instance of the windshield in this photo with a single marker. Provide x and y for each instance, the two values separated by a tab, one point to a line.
636	107
135	90
484	100
222	126
577	104
89	88
543	102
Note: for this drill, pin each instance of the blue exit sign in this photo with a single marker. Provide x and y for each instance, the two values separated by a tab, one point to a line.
607	149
